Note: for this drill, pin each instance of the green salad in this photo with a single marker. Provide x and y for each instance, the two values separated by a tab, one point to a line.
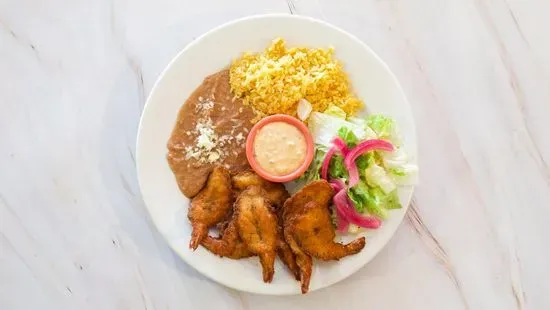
364	161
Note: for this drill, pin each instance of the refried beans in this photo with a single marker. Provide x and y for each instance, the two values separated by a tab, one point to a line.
211	130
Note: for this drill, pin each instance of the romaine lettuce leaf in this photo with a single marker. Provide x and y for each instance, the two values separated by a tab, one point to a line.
385	127
348	136
357	200
373	200
364	161
400	170
324	128
369	133
377	176
335	111
337	169
404	175
313	172
392	201
368	199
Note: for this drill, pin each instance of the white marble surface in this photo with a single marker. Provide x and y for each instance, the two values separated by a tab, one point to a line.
74	233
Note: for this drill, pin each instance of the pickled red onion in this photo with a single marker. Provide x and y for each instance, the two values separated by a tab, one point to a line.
337	185
341	224
363	147
338	145
346	211
341	145
326	162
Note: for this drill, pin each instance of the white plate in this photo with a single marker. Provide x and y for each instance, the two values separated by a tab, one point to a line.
372	81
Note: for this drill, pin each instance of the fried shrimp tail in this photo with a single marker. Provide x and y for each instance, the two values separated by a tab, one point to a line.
309	232
313	232
276	194
268	266
228	244
225	244
287	257
319	191
200	231
303	261
211	205
257	225
283	249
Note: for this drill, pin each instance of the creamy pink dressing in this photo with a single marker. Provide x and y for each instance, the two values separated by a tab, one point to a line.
279	148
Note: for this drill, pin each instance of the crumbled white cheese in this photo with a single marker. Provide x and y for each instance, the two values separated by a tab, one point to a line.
213	157
208	147
206	141
239	137
207	137
204	104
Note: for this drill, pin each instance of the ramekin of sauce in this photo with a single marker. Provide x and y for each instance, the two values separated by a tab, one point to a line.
279	148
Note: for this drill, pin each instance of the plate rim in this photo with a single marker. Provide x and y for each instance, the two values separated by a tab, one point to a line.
386	238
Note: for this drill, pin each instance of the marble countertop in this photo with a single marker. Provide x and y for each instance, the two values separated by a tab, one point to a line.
74	233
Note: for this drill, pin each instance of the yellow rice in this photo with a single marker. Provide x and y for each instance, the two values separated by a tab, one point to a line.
274	81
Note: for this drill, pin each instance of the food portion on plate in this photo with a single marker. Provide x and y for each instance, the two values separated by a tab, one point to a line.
278	80
285	118
211	205
309	231
211	130
365	163
279	148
